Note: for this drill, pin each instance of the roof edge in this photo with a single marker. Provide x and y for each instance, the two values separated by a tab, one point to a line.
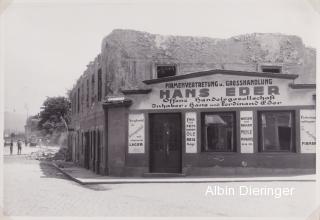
135	91
113	102
303	86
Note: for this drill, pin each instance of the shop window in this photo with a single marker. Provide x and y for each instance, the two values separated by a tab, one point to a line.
166	70
218	132
276	131
271	69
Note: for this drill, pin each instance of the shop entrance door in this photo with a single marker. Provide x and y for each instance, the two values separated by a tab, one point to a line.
165	143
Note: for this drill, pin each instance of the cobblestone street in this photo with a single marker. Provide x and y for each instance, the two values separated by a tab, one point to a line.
35	188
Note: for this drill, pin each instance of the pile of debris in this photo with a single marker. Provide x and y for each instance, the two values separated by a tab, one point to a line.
49	154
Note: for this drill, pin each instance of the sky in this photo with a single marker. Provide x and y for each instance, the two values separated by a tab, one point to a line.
48	43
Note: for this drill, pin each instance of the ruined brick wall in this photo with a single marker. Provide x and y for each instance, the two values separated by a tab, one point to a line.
128	57
90	108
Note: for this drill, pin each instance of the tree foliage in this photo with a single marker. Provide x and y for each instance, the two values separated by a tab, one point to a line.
52	110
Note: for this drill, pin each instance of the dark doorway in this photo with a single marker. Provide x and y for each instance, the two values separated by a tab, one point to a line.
94	152
86	150
99	151
165	143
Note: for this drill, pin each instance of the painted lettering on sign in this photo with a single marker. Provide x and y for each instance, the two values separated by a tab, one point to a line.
136	133
205	92
191	132
213	94
308	130
246	131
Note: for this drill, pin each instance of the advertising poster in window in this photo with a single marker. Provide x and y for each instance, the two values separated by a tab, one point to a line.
136	137
246	131
191	132
308	130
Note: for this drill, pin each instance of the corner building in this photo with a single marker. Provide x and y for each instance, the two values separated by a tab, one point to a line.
152	105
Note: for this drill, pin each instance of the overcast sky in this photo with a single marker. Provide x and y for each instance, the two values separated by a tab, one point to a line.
49	43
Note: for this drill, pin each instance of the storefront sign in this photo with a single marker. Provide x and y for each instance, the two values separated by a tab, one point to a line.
308	130
222	91
213	94
136	133
246	131
191	132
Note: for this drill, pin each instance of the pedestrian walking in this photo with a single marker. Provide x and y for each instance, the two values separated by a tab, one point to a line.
11	147
19	146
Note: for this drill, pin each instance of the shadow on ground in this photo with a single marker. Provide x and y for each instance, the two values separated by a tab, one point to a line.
49	171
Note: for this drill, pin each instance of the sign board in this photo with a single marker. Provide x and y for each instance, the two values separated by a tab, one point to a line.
222	91
136	138
246	131
308	130
191	132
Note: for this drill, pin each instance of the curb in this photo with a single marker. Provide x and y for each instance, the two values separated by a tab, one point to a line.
66	174
184	181
168	180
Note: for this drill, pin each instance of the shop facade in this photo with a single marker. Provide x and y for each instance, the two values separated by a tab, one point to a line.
215	122
186	106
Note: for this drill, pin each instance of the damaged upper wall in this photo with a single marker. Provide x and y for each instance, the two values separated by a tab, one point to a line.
128	57
84	94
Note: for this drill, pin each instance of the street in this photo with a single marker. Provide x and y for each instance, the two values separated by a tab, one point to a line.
25	150
35	188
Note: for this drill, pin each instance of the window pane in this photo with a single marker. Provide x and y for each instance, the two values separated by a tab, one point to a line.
271	69
166	71
219	130
276	131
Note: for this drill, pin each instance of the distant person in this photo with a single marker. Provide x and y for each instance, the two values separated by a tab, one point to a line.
26	142
19	146
11	147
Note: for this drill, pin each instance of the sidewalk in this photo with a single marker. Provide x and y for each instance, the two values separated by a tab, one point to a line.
84	176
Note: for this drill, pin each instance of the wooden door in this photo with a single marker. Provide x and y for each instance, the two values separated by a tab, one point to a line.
165	143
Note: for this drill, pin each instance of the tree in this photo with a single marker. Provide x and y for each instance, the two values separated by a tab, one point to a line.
55	111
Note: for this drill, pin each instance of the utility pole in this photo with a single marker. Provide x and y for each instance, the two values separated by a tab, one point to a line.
67	128
26	127
65	124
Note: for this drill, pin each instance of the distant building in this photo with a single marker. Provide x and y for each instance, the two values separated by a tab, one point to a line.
14	122
31	127
151	104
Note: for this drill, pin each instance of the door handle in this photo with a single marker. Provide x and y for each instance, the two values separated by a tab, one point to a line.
167	150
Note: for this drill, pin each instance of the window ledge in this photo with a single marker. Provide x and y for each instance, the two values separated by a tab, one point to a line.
276	152
218	152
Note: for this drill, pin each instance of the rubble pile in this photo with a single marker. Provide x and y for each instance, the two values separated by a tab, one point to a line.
48	154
